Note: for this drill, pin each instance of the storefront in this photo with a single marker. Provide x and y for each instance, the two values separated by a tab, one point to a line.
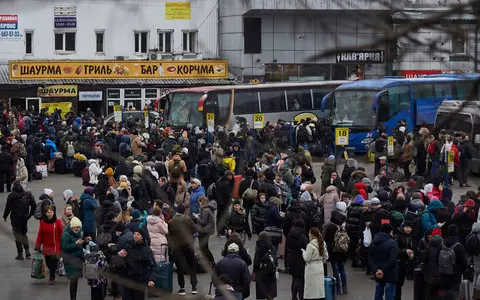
99	85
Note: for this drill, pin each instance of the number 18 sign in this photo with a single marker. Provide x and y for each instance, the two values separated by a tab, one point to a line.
341	136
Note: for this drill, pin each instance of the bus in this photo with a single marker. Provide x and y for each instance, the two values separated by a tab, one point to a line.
286	101
363	105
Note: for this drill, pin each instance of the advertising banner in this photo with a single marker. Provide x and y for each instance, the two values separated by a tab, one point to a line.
9	27
58	91
64	106
177	11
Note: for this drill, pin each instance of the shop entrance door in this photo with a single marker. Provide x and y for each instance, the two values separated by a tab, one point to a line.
33	104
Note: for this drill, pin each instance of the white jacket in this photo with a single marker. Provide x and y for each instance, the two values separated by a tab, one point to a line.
314	271
94	170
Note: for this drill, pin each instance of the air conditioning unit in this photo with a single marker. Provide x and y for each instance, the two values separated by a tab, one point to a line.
153	56
167	56
120	57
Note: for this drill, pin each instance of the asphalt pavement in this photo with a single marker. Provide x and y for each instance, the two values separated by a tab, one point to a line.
17	284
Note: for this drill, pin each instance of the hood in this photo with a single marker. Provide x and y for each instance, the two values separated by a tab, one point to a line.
84	197
212	204
91	161
428	188
341	206
360	186
17	188
358	174
67	194
228	160
447	194
383	196
20	162
337	218
330	161
153	219
476	227
125	139
44	196
331	188
176	157
294	208
434	205
381	238
352	163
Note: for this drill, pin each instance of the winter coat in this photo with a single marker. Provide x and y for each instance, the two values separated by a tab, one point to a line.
356	177
269	188
205	223
242	251
265	284
329	200
180	232
22	173
123	242
136	146
230	163
296	241
194	199
52	148
72	253
428	218
6	160
330	230
20	210
293	212
383	255
327	169
89	205
451	281
237	270
140	263
244	185
272	216
135	224
157	230
464	224
49	236
238	222
98	259
183	198
476	258
223	191
258	217
94	170
171	163
354	221
314	272
430	260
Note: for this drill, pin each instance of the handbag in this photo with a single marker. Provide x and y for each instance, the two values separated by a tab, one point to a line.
38	267
250	194
61	268
367	237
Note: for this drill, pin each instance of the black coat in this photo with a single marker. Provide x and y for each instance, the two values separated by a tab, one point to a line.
293	212
451	281
296	241
258	217
237	270
238	222
244	185
430	260
464	224
223	191
354	220
383	255
265	285
6	160
20	206
268	187
140	263
335	222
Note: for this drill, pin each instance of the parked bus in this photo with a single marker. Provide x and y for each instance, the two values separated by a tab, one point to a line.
363	105
286	101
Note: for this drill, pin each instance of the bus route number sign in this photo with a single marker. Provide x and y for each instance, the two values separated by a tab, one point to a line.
117	113
390	148
341	136
211	121
258	121
451	162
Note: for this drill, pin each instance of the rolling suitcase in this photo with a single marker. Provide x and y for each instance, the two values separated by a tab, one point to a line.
330	288
78	166
418	286
164	274
59	166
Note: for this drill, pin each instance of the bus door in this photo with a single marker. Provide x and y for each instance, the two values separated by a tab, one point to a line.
208	104
381	110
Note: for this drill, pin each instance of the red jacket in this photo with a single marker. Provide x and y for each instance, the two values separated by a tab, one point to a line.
456	160
49	235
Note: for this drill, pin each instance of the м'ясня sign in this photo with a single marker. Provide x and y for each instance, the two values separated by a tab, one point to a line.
41	70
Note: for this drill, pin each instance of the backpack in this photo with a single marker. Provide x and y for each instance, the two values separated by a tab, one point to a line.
302	134
446	260
104	238
38	210
22	151
22	205
472	244
70	149
86	175
250	194
431	148
211	191
176	171
204	169
340	241
267	263
90	269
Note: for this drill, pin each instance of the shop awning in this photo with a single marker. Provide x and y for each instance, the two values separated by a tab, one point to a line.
5	80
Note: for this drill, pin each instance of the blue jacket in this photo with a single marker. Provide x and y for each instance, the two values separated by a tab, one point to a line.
383	255
89	205
124	242
53	148
194	202
237	270
272	216
428	217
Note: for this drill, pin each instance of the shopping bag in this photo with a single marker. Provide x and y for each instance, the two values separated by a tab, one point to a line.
465	290
42	168
38	268
367	237
61	268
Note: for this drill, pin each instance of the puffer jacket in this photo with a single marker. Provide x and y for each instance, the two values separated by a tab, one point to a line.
94	170
428	218
22	173
356	177
89	205
430	259
205	223
476	258
329	200
354	220
327	169
238	223
194	199
157	230
49	144
258	217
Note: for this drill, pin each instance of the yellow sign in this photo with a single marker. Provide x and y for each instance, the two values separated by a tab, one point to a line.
304	116
390	148
58	91
258	121
177	11
211	121
341	136
42	70
64	106
145	114
451	162
117	113
117	108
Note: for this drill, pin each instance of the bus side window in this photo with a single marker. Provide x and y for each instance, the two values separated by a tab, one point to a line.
463	90
399	99
245	102
422	91
299	99
273	101
223	100
383	108
443	90
318	95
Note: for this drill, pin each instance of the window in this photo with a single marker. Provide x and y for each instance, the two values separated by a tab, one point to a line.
99	39
318	95
28	42
141	42
459	39
463	90
443	90
190	41
165	38
223	100
65	41
252	35
272	101
398	99
246	102
299	99
422	91
460	123
273	72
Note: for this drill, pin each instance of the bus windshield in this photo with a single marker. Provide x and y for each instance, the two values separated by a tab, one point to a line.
183	109
354	108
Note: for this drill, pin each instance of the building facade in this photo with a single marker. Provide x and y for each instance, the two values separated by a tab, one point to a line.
171	35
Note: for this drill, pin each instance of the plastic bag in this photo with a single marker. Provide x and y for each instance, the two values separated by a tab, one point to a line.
38	268
367	237
61	268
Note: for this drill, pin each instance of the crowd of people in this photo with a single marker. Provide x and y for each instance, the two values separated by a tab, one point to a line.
153	195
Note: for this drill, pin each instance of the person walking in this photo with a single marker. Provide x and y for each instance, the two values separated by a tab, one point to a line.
265	265
157	230
197	192
22	173
315	255
383	258
337	255
48	241
223	196
180	232
205	226
89	206
6	162
20	207
296	242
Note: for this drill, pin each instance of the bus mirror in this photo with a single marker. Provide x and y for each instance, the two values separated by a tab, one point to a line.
477	139
201	102
327	99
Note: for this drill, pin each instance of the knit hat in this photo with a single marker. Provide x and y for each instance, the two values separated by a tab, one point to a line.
14	141
142	232
75	222
137	169
407	223
469	203
197	181
123	184
341	206
67	194
233	248
120	227
47	191
109	216
136	214
237	202
275	200
452	230
89	190
109	172
180	209
228	172
375	201
136	162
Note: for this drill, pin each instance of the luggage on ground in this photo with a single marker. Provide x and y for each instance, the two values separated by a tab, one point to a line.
418	285
330	288
59	166
77	167
164	276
